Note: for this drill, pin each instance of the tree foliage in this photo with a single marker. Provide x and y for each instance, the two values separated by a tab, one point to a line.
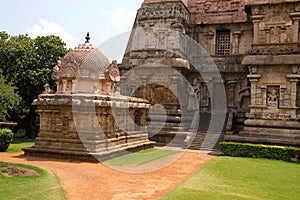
8	98
6	137
27	63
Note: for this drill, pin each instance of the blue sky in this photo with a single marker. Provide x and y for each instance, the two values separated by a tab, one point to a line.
69	19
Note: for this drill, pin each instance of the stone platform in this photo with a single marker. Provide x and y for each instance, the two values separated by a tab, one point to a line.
268	132
90	127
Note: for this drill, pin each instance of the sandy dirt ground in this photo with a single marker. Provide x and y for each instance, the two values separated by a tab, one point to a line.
82	180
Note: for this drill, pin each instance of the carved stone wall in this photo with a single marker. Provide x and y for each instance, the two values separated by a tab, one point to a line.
217	11
273	93
158	28
255	28
65	133
240	37
276	28
274	75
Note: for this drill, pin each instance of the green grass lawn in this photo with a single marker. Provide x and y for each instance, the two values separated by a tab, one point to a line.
141	157
17	145
241	178
44	186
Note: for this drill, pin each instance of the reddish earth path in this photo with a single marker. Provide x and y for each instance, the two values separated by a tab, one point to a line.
98	181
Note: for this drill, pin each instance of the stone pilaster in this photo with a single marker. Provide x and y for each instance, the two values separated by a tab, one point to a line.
236	43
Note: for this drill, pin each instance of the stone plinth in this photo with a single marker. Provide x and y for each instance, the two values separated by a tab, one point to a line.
273	117
90	127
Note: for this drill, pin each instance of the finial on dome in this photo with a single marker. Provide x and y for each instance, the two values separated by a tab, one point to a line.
87	37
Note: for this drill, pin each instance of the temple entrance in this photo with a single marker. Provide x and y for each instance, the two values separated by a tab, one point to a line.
164	117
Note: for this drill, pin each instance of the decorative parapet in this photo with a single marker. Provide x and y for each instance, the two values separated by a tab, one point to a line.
275	27
217	12
163	10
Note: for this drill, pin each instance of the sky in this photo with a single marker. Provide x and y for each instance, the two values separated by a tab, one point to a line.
69	19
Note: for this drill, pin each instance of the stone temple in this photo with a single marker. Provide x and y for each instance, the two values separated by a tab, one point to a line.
210	70
255	45
77	121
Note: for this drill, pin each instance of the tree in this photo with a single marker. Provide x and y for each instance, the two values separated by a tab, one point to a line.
27	63
8	98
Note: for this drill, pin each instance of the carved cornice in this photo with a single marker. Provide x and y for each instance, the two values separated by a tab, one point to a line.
215	12
163	10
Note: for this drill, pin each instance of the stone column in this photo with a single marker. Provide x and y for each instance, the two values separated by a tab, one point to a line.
256	20
231	96
293	82
282	92
283	34
294	97
236	44
64	86
73	86
267	31
264	95
253	78
210	44
58	87
295	17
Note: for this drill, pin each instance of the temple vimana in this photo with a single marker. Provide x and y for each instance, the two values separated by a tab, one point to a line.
227	69
255	45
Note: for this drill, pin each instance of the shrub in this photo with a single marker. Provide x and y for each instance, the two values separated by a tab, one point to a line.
260	151
6	137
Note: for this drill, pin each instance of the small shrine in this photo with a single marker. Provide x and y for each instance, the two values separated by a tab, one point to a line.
85	70
86	118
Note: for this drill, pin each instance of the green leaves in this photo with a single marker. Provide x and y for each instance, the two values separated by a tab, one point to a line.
6	137
27	63
260	151
8	98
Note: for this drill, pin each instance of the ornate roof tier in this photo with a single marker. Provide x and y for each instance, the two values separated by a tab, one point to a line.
85	70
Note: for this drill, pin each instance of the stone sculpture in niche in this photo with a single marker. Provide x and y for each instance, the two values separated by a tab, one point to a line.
273	98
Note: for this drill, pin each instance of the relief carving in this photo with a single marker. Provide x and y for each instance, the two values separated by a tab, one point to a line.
112	72
163	11
69	67
227	11
273	97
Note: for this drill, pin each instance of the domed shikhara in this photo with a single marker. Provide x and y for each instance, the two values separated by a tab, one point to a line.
85	70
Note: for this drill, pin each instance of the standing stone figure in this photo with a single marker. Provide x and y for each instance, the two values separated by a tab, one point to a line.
273	99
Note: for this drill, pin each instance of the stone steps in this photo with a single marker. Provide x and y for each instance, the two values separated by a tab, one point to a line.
197	141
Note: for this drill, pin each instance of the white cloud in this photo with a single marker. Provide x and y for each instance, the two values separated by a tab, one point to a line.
46	27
